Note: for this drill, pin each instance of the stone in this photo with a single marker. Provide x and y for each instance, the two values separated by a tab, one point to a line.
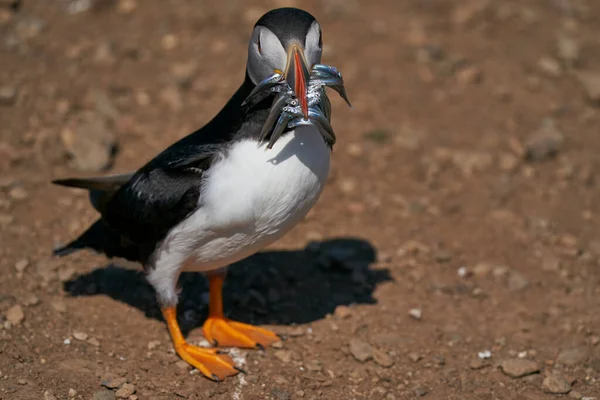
103	395
360	350
280	394
21	265
415	313
8	95
343	312
66	274
125	391
469	75
113	382
590	80
29	299
72	393
517	281
49	395
81	336
58	304
572	357
153	345
284	355
544	143
568	50
517	368
382	358
556	385
550	67
125	7
15	315
90	143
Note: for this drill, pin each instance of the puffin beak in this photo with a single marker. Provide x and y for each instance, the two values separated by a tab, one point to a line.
297	76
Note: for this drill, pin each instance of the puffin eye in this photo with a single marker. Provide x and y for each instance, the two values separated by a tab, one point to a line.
320	39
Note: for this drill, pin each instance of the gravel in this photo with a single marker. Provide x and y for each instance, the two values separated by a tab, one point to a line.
382	358
15	315
125	391
89	142
8	95
104	395
545	143
517	368
590	80
572	357
361	350
556	385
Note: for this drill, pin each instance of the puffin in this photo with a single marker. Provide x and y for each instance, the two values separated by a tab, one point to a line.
220	194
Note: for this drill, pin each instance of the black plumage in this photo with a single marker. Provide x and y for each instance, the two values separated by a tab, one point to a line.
137	210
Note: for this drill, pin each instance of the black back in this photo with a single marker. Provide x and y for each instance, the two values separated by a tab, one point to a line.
167	189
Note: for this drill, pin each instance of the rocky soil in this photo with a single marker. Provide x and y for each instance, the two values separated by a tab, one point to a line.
453	255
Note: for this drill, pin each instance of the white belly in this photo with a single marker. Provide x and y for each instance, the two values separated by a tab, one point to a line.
250	198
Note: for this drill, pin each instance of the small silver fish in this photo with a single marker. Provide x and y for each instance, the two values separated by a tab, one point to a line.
286	112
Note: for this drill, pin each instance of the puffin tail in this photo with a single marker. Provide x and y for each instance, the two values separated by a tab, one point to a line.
101	188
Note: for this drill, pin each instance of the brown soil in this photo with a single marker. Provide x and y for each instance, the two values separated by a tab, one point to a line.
464	186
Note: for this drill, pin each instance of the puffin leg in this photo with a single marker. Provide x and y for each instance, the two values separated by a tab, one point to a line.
210	362
224	332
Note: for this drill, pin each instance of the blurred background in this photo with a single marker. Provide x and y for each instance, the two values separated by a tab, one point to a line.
453	255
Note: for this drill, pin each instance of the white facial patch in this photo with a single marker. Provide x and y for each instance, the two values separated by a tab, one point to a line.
265	54
313	50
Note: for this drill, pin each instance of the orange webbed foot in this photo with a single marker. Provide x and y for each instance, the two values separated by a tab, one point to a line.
224	332
212	363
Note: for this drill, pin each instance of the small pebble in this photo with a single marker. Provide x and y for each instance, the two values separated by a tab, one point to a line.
556	385
169	41
296	332
103	395
361	350
72	392
21	265
590	80
49	395
81	336
113	382
516	368
284	355
153	344
15	315
416	313
125	391
572	357
125	7
484	355
58	305
382	358
8	95
545	143
550	67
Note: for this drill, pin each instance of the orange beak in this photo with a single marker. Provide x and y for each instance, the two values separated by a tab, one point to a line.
297	76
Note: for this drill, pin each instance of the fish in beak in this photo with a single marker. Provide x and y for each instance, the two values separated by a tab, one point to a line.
297	76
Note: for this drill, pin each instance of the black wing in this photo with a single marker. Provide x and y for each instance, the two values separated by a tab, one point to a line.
137	216
160	195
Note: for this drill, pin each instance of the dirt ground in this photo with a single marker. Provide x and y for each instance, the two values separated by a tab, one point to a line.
453	255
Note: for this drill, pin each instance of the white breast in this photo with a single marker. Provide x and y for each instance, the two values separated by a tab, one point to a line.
250	198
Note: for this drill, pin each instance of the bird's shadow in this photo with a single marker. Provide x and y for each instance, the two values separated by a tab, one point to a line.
272	287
